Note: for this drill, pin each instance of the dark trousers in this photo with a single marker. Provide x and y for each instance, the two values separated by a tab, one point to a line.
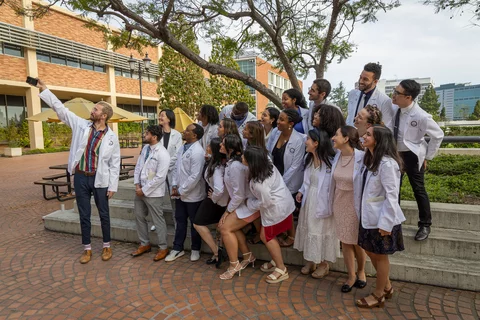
185	211
84	187
417	181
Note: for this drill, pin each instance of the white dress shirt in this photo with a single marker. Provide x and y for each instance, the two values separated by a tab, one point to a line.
108	166
404	115
151	173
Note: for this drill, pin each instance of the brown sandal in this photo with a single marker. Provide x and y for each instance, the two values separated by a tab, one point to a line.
287	242
388	293
362	303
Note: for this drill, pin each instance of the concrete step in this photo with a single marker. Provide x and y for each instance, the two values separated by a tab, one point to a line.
408	266
446	215
462	244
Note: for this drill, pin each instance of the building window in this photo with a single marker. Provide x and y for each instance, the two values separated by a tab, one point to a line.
73	62
118	72
278	84
12	110
11	50
58	59
86	65
69	61
99	67
43	56
3	112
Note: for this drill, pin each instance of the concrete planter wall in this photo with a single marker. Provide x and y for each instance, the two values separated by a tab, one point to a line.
12	152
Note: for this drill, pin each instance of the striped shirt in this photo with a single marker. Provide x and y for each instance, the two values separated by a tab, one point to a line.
89	160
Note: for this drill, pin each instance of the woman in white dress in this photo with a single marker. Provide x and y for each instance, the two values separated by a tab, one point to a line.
316	227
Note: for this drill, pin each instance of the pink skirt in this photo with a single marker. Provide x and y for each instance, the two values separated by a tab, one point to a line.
273	231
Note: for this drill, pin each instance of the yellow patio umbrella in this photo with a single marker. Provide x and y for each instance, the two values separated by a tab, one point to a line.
182	120
81	107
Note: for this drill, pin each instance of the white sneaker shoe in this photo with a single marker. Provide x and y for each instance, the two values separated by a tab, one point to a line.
195	255
173	255
153	228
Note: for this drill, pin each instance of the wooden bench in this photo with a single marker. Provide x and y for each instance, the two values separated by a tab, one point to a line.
128	165
60	196
55	176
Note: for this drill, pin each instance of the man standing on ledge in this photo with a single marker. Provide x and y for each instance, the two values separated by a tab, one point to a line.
411	124
95	160
368	93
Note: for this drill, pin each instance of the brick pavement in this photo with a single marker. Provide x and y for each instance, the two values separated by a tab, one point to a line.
41	278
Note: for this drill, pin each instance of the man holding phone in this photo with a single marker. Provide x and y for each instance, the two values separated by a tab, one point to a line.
95	160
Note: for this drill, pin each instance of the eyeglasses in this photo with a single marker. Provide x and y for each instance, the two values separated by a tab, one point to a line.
398	93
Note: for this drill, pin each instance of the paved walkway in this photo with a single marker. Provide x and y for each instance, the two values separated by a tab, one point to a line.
41	278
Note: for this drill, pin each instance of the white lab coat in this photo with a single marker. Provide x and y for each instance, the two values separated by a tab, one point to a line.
357	179
324	189
226	113
217	184
378	98
379	203
174	144
152	174
292	159
187	175
210	132
419	124
108	166
236	176
272	198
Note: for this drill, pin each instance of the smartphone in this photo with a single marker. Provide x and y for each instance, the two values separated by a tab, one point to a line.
32	81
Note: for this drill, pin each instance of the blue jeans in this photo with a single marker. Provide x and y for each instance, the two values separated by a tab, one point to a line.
185	211
84	187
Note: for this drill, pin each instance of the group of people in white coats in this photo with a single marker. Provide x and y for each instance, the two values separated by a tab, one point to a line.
341	180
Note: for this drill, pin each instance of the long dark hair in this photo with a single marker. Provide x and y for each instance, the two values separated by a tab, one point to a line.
210	112
353	138
259	166
234	146
330	119
274	113
384	146
298	96
217	158
324	149
170	116
257	132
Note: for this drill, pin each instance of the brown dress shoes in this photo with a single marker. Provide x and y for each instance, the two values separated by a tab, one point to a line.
141	250
86	256
161	254
106	254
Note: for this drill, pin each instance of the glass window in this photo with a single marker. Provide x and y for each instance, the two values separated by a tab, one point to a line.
72	62
43	56
118	72
135	75
136	109
87	65
126	73
1	48
99	67
58	59
15	109
3	111
12	50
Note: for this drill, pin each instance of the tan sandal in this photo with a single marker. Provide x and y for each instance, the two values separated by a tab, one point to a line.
271	278
266	268
230	273
251	259
321	272
362	303
287	242
308	268
388	293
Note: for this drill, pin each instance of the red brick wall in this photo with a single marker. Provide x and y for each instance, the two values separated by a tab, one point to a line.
7	15
12	68
152	53
131	86
71	28
72	77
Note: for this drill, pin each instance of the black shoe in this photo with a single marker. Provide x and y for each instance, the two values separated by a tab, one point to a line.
222	255
422	233
212	260
360	284
346	288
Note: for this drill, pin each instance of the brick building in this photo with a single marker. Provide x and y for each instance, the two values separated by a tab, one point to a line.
73	60
267	74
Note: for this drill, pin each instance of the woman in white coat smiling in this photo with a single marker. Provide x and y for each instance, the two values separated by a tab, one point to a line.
316	229
272	198
380	232
287	149
345	187
208	116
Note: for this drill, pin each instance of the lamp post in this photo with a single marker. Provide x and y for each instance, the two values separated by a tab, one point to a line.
136	63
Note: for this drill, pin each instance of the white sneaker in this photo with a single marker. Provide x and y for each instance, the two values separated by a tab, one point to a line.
195	255
173	255
153	228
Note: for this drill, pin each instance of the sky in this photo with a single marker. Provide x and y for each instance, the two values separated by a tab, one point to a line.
412	41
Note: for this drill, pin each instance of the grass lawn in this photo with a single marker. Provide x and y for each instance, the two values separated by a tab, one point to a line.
450	178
